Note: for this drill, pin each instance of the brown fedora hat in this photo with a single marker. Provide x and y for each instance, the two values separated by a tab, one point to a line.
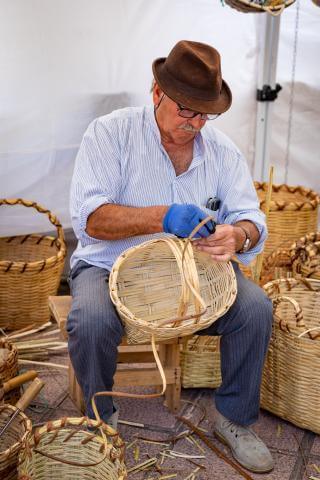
191	75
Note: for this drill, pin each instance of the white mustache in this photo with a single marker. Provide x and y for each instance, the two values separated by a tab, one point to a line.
189	128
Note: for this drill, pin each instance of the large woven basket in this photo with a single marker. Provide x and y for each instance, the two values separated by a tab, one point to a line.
291	381
305	256
64	449
200	362
293	214
9	369
30	271
274	7
165	289
12	441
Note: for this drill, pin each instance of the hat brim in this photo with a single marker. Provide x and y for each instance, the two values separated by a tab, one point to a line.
177	92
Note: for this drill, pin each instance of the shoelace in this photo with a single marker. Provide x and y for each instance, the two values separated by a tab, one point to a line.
238	430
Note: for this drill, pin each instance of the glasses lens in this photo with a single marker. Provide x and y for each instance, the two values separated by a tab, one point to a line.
212	116
183	112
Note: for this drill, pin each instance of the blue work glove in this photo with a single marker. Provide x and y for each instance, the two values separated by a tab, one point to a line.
182	219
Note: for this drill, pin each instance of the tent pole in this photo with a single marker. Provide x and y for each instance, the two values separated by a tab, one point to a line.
266	78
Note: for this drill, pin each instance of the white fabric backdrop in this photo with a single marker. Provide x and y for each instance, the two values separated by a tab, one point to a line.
63	63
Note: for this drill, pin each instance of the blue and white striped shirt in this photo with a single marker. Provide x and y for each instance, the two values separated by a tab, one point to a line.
121	161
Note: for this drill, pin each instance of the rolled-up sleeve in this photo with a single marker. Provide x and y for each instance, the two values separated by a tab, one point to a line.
96	176
240	202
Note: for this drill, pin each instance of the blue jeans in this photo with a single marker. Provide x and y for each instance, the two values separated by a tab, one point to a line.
95	331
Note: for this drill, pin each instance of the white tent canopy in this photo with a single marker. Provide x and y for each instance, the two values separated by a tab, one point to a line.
65	62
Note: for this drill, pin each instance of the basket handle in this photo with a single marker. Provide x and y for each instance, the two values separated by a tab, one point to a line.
52	218
283	325
200	305
308	332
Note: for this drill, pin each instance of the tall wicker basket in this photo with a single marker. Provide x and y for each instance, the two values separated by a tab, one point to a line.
12	441
9	369
291	382
30	271
64	449
200	362
293	214
164	289
274	7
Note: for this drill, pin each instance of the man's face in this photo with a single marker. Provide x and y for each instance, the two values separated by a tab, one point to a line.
174	128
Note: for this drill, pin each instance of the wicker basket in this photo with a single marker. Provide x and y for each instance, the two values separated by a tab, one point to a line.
163	289
200	362
291	383
274	7
65	449
293	214
8	369
12	441
30	271
305	256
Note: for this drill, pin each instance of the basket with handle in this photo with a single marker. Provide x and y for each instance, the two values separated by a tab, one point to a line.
165	289
293	213
30	271
8	368
291	383
66	449
200	362
13	441
305	256
274	7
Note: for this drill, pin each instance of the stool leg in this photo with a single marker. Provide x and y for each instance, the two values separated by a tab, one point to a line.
75	390
170	358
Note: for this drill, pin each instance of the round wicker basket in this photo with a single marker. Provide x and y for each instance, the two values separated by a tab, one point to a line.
293	213
305	256
165	289
12	441
274	7
291	384
200	362
65	449
30	271
8	369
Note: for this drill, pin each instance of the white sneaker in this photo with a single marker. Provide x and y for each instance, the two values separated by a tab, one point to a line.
246	447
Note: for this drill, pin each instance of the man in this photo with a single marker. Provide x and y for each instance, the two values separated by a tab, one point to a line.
146	172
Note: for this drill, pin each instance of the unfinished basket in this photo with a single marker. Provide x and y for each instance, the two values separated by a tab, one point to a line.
65	449
305	256
165	289
274	7
293	214
12	441
30	271
200	362
291	382
9	369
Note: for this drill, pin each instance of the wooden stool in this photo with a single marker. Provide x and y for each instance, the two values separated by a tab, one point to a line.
169	353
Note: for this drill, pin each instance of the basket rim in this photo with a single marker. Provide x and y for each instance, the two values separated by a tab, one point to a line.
270	8
312	197
38	265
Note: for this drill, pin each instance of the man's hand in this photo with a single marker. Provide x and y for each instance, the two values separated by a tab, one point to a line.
182	219
225	242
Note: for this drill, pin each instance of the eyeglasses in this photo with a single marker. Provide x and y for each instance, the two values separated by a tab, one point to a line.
186	113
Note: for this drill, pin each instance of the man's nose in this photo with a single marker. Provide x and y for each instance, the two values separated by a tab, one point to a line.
196	122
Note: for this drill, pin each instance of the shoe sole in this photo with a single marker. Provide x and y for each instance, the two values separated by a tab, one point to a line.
251	469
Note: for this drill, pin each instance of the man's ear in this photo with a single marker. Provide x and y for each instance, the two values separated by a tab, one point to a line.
156	93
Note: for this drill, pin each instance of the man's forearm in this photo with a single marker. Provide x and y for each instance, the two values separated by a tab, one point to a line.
113	222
